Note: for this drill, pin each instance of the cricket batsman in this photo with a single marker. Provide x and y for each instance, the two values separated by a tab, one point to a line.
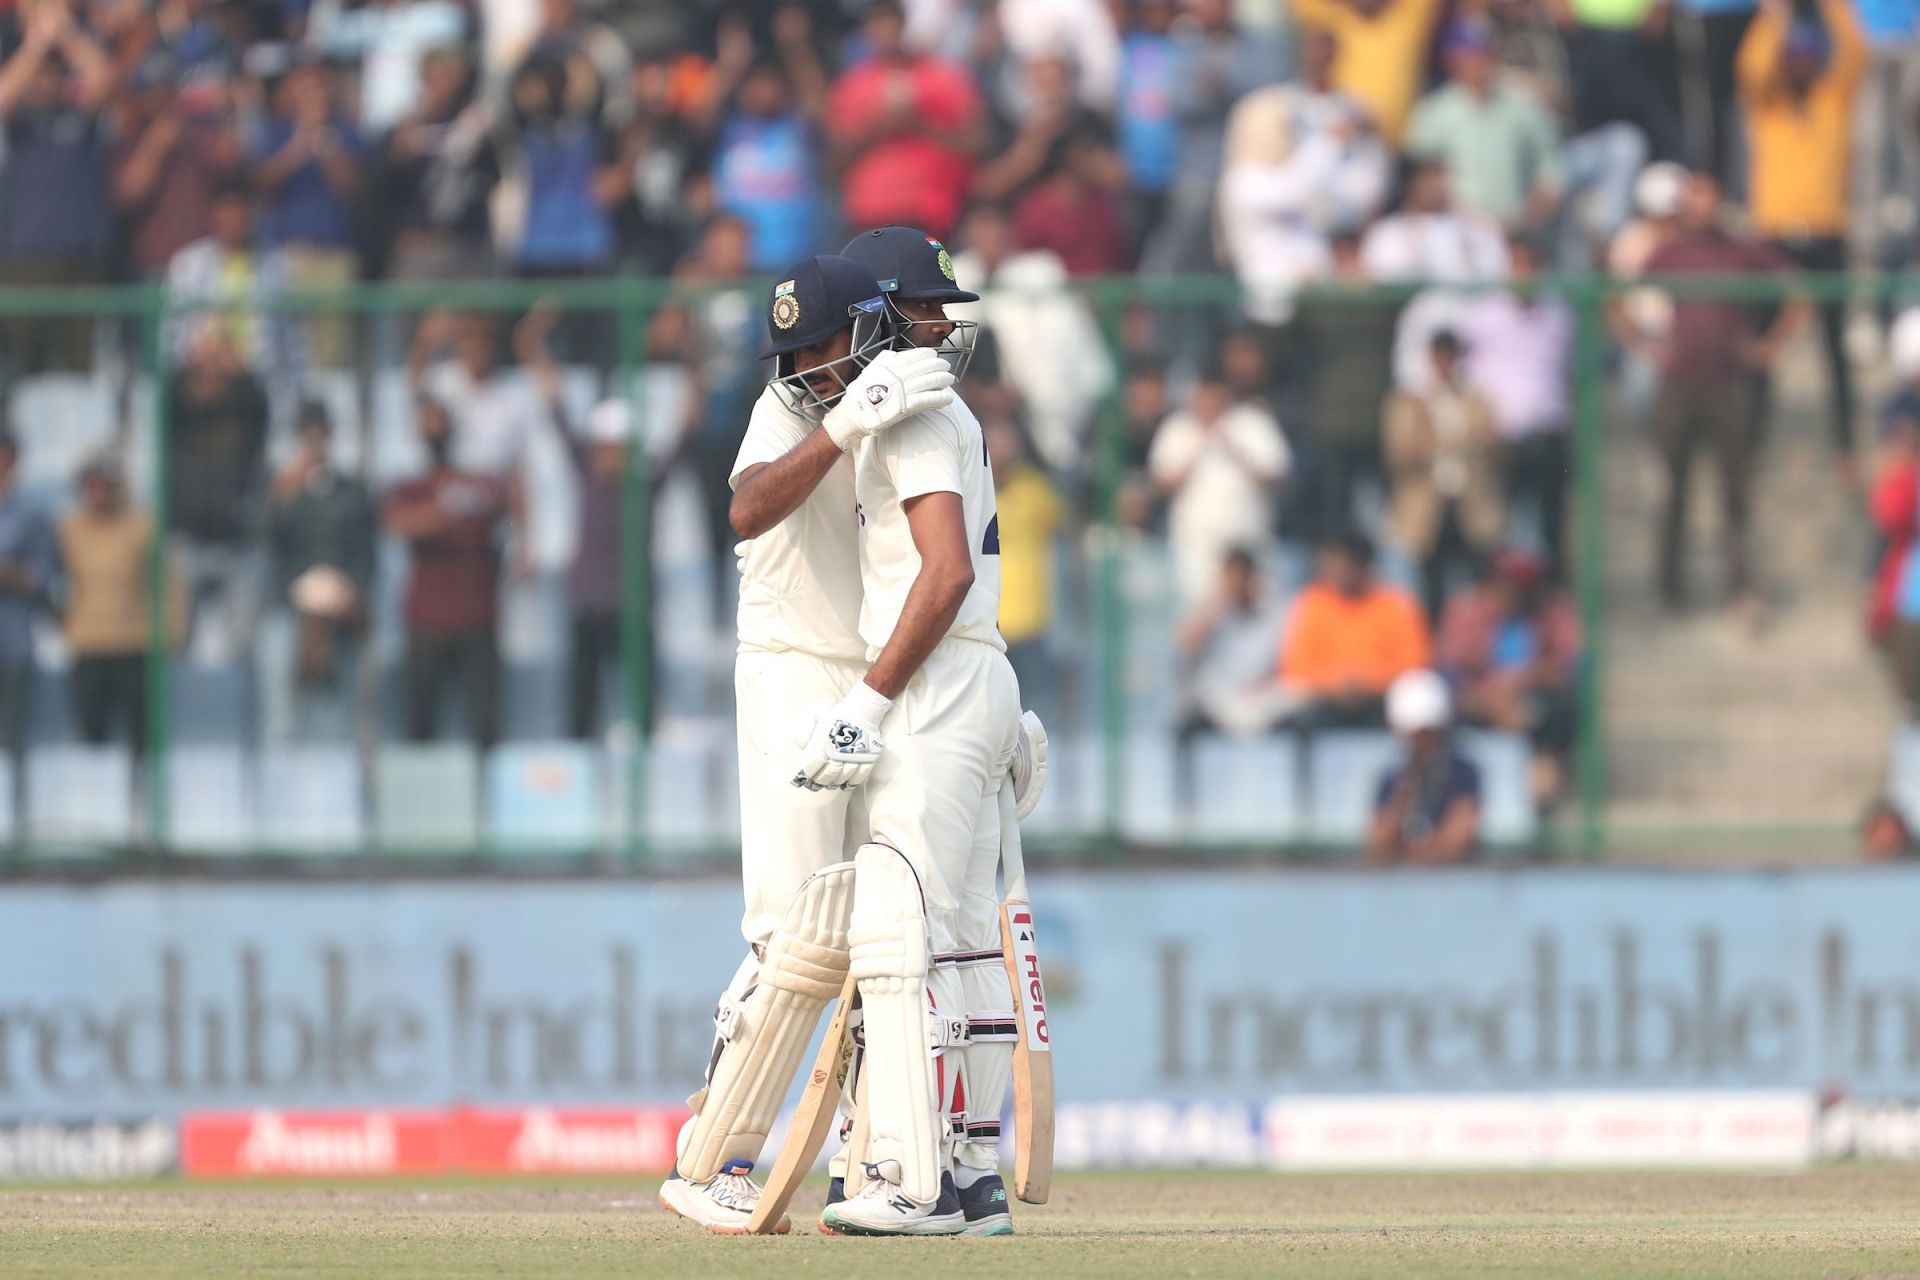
931	729
915	272
800	649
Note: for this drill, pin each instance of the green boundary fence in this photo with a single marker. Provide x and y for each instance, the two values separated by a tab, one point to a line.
634	303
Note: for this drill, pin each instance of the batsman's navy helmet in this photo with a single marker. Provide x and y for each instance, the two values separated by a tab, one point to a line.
908	263
912	266
817	298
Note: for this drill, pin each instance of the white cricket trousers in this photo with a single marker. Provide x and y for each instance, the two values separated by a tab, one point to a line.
786	832
934	795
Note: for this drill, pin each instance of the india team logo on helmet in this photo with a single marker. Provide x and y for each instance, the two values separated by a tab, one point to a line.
786	307
945	260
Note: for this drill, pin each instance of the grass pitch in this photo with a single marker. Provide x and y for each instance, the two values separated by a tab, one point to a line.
1837	1221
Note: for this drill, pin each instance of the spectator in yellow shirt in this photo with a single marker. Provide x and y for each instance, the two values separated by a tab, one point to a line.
1383	53
1798	78
1030	515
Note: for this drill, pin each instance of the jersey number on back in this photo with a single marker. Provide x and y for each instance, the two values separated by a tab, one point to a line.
990	544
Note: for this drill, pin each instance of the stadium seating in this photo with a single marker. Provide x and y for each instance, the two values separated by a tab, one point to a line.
1148	810
679	788
427	799
545	797
210	703
210	807
1244	788
79	795
1344	768
1071	801
311	799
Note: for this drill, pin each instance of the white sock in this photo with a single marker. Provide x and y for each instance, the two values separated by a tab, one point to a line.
965	1176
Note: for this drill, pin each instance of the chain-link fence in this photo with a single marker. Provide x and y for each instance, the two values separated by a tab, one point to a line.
443	576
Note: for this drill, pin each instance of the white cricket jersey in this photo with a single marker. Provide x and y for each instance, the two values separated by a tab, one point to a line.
937	452
800	580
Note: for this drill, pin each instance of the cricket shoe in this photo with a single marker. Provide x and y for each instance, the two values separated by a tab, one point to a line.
879	1209
836	1192
985	1204
722	1204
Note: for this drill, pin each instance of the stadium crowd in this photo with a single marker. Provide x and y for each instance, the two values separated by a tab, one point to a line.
226	148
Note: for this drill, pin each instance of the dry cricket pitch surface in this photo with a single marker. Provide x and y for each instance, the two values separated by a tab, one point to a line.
1853	1220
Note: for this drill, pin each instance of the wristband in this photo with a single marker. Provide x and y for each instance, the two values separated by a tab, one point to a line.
840	426
862	703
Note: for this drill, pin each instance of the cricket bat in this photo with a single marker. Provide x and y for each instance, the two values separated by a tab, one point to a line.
812	1119
1033	1052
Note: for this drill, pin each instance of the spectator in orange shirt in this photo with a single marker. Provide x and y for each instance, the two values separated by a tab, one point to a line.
906	130
1347	636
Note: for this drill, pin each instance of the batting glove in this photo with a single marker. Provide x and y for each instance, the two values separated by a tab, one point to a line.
844	744
894	385
1029	766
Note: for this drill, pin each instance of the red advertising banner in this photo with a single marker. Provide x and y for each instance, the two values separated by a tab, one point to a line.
374	1143
266	1143
568	1140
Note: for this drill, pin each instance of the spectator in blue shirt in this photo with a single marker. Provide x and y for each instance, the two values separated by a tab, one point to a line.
306	160
55	216
762	110
1428	807
1888	142
566	164
1149	135
29	563
1213	65
766	166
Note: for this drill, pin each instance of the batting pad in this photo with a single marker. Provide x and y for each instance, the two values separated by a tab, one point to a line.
889	956
764	1021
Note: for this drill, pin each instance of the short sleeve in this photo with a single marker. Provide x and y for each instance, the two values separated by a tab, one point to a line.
922	455
1259	438
770	437
1426	133
1385	789
1171	451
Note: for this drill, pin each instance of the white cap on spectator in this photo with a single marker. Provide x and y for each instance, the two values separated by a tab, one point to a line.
1418	700
610	422
1657	191
1903	344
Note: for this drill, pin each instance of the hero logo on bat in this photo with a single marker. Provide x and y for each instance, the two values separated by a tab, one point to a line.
1032	991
